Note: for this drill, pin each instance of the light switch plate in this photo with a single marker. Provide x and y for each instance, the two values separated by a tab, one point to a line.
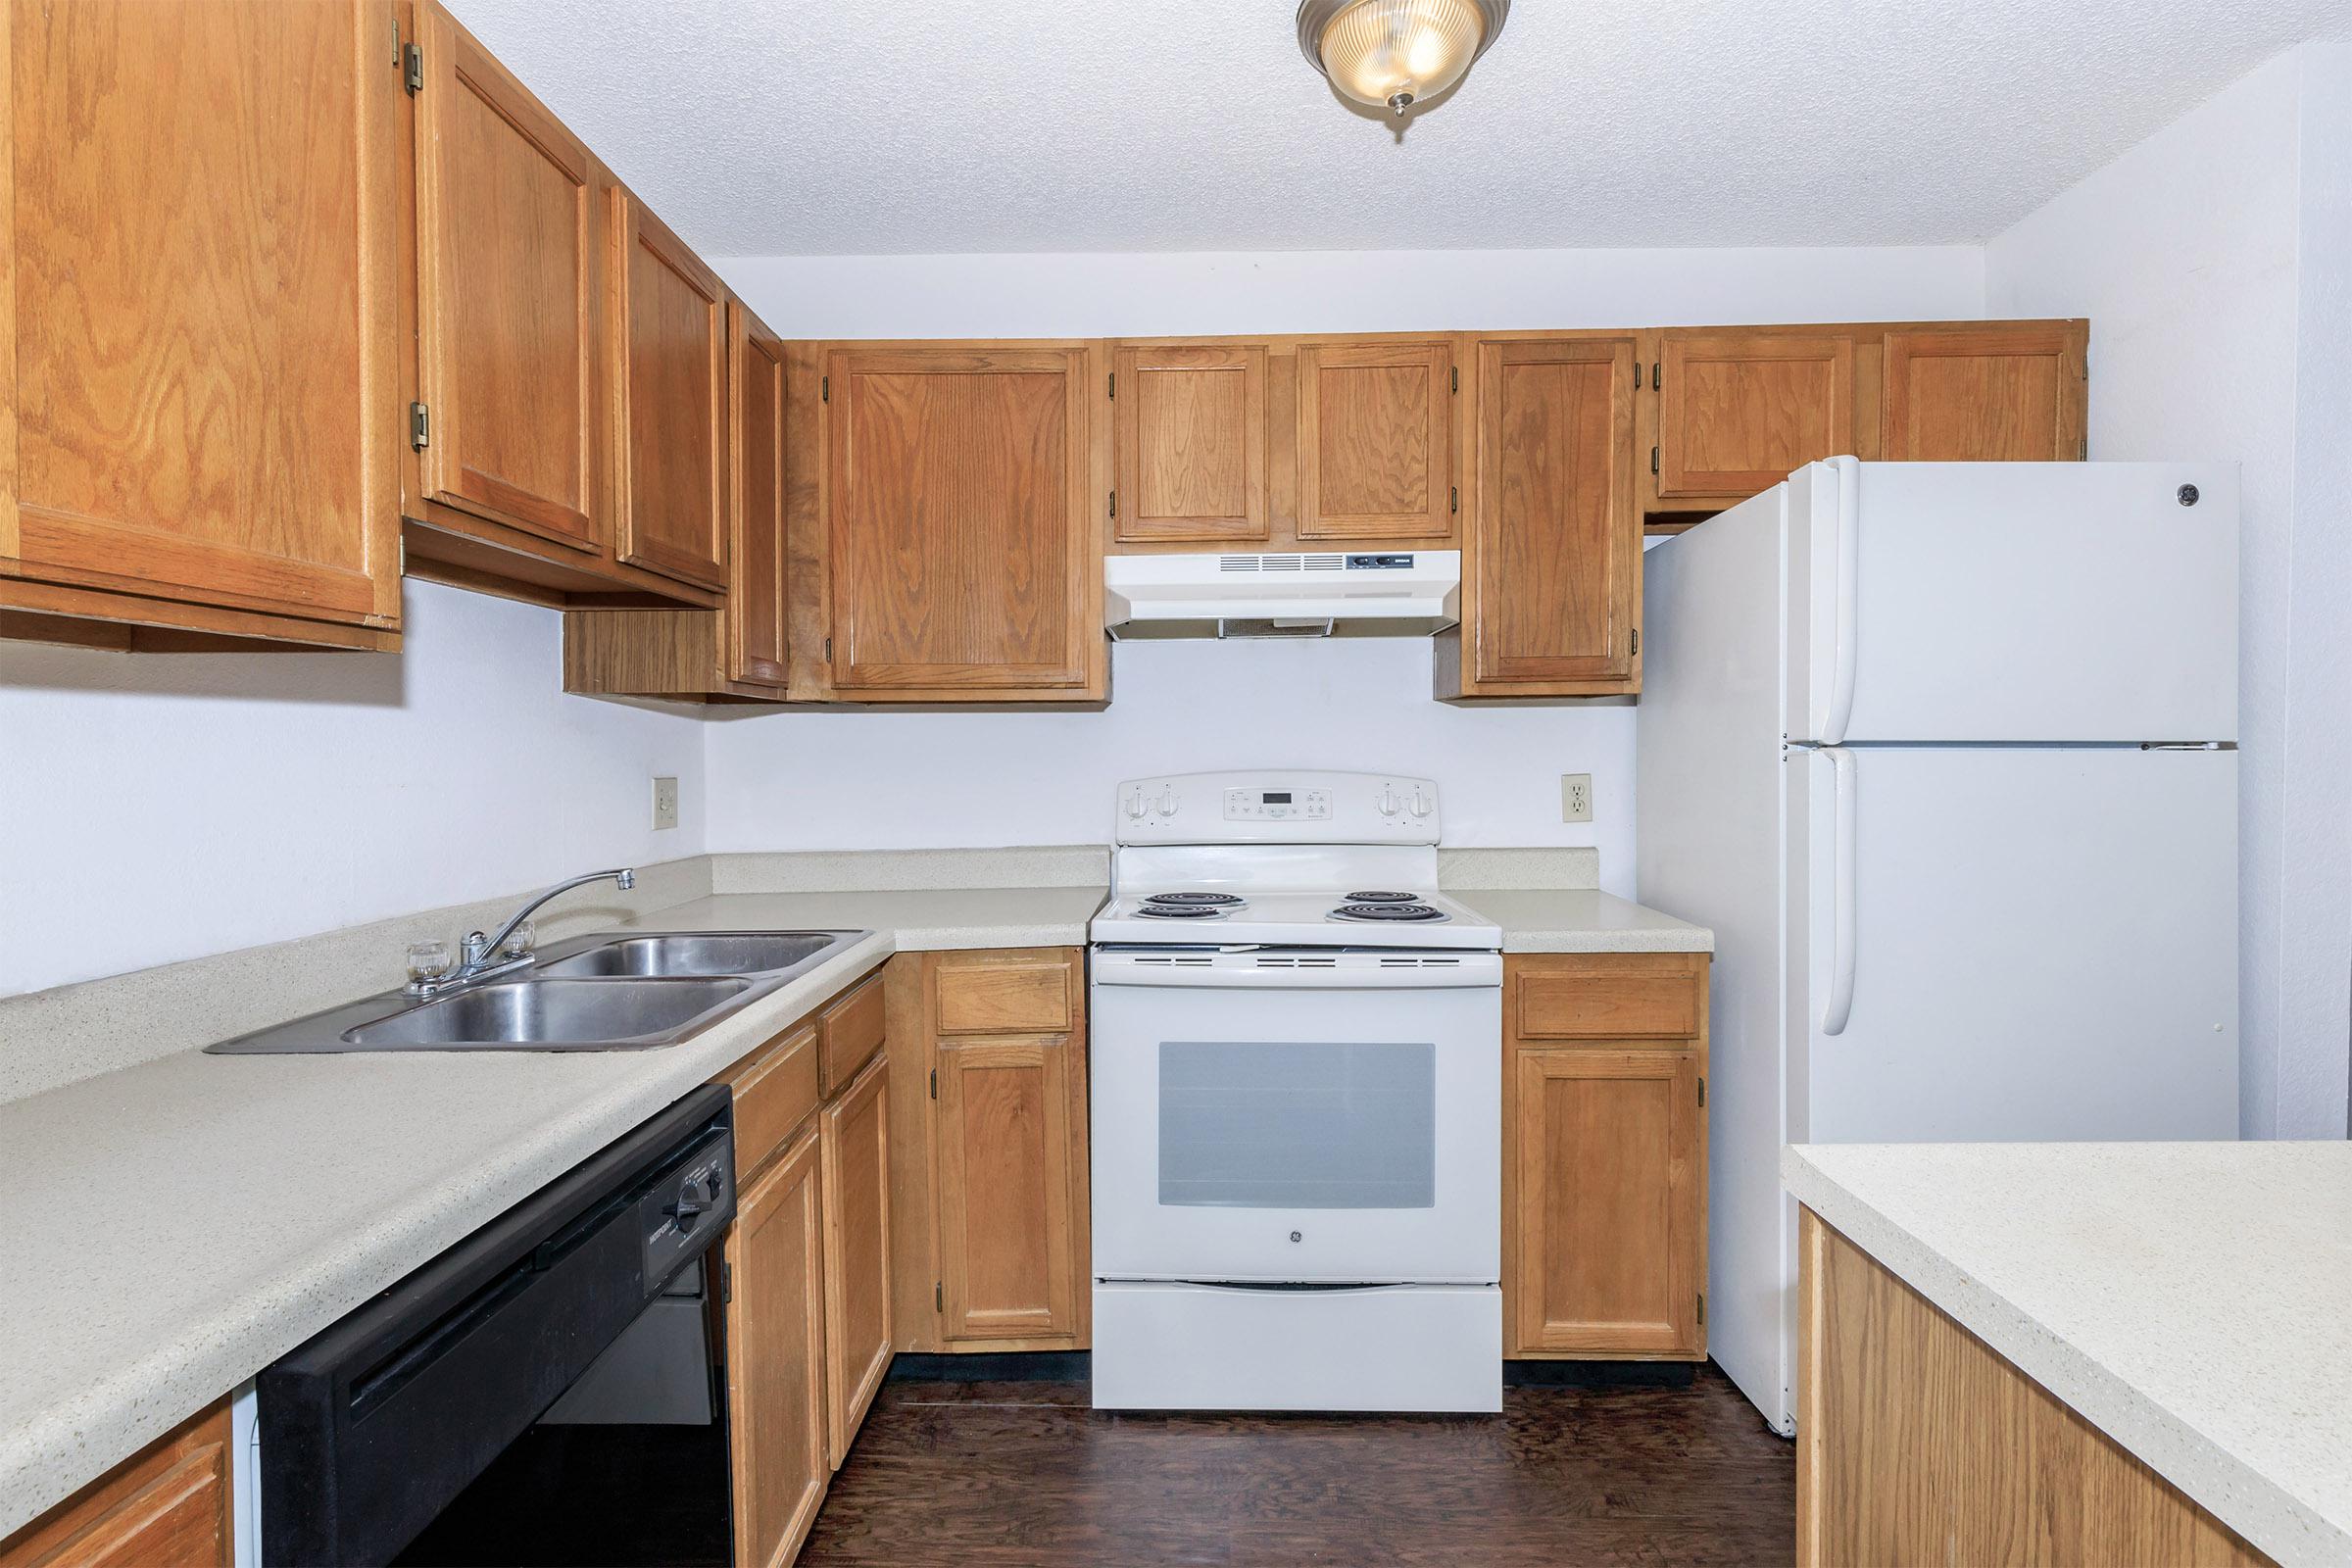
1576	797
666	803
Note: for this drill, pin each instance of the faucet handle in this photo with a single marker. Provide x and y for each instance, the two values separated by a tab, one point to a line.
475	947
520	941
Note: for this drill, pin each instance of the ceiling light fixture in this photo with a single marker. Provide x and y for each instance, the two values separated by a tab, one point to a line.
1393	54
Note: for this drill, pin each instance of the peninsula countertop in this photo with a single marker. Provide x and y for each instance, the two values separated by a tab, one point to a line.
2188	1300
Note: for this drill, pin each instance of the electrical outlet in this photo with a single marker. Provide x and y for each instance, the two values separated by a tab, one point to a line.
666	803
1576	797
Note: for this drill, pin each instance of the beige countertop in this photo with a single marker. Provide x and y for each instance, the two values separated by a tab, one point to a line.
2188	1300
1581	920
175	1225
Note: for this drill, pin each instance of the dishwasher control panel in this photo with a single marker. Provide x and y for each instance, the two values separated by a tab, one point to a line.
688	1202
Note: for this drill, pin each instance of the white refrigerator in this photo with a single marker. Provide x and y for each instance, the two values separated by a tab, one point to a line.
1946	756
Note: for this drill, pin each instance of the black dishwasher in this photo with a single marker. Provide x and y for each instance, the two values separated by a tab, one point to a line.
431	1425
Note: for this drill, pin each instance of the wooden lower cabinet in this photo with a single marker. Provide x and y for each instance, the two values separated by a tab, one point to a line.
854	1139
1011	1156
167	1506
775	1313
1918	1444
1604	1157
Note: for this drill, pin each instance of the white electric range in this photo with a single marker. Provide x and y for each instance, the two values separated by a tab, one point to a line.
1295	1066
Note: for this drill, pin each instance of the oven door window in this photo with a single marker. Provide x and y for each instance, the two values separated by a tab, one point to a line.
1321	1124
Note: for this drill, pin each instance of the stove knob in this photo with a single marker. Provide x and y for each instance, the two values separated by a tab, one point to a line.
1167	802
1388	802
1422	804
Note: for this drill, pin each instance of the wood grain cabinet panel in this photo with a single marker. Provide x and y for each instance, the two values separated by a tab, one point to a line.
1008	1110
1607	1231
1552	567
775	1313
1738	410
775	1090
1608	997
1377	438
1191	432
757	609
851	1030
963	558
199	349
167	1506
1918	1444
1990	393
670	382
1002	994
508	327
856	1144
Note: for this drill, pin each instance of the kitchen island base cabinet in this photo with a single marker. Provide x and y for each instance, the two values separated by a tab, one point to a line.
167	1506
1604	1138
854	1137
1917	1442
775	1310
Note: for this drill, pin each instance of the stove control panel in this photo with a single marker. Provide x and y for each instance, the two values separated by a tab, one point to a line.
1268	808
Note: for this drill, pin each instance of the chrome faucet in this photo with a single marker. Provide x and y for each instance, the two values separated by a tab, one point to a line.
479	954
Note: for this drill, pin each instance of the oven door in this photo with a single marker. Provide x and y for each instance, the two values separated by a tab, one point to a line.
1297	1117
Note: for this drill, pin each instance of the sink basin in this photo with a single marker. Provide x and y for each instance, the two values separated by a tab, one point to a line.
552	1014
716	952
613	991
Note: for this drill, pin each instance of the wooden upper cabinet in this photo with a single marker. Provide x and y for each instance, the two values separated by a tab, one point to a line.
1739	410
508	319
670	394
1191	426
756	608
1011	1122
1377	437
1552	555
776	1316
1609	1229
200	424
963	558
1995	393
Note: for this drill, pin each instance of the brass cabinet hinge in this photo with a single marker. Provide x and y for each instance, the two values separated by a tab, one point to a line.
1114	504
416	68
1653	374
1702	1090
1454	498
726	1282
1453	378
824	389
1654	459
420	426
935	1083
939	1297
1702	1310
1111	388
1636	649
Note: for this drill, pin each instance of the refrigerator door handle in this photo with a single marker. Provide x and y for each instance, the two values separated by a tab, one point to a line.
1845	858
1848	559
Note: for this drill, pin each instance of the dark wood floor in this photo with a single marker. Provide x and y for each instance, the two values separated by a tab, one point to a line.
992	1475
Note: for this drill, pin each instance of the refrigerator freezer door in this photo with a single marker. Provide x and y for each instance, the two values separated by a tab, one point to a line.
2008	602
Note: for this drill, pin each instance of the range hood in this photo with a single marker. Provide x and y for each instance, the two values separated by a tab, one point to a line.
1372	593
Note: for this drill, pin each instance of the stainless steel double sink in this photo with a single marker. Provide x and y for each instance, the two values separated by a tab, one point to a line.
614	991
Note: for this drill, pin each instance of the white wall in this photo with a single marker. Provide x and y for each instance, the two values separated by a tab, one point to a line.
842	779
165	806
2212	260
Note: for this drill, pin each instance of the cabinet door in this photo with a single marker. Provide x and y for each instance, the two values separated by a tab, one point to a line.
1376	441
1606	1235
1191	442
855	1139
507	318
198	349
167	1506
1990	393
756	608
777	1357
962	544
671	385
1007	1200
1738	411
1554	543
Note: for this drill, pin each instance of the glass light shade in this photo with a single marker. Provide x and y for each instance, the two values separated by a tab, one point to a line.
1393	52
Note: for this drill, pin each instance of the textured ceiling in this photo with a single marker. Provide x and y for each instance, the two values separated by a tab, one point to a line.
854	126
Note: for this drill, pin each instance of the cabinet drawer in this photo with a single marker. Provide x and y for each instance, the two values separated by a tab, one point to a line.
1008	996
1609	1000
774	1093
850	1032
